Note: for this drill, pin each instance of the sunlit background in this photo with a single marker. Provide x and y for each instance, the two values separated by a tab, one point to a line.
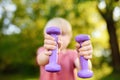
21	33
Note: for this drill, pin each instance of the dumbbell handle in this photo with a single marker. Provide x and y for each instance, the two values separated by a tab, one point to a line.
53	58
83	63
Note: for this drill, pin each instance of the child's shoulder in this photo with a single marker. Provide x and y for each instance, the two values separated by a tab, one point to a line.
72	54
71	50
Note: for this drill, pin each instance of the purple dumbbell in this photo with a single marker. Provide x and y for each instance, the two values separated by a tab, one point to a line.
84	72
52	66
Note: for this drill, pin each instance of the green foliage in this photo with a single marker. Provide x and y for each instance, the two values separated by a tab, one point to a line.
18	51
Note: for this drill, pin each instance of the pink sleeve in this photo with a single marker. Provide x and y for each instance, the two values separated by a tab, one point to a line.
75	55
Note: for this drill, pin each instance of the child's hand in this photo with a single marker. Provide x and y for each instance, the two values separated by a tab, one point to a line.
50	44
85	49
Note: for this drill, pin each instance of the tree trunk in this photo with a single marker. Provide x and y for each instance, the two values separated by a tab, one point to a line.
108	16
113	43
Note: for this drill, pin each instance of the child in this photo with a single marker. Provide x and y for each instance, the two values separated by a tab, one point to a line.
68	59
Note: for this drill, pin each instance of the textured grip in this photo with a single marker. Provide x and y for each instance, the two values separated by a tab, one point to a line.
52	66
84	72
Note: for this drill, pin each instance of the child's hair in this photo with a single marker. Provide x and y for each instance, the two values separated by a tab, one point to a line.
61	23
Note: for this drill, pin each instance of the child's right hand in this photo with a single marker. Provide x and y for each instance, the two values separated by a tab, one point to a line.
50	44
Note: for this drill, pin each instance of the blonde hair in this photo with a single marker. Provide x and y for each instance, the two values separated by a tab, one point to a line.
61	23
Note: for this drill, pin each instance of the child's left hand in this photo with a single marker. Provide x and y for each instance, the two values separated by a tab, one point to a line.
85	49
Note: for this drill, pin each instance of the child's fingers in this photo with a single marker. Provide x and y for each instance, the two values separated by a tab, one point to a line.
86	48
85	43
48	53
49	47
59	44
88	57
46	36
84	53
49	42
77	45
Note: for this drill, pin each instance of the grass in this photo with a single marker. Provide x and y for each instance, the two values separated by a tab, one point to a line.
113	76
18	76
104	73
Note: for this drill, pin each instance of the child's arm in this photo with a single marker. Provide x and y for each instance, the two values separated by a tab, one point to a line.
43	55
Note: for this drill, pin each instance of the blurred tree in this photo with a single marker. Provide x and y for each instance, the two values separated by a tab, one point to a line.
107	10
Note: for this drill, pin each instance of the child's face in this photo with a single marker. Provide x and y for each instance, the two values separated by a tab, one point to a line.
65	38
65	28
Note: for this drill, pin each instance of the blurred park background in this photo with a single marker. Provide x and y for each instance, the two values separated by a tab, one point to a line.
21	33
